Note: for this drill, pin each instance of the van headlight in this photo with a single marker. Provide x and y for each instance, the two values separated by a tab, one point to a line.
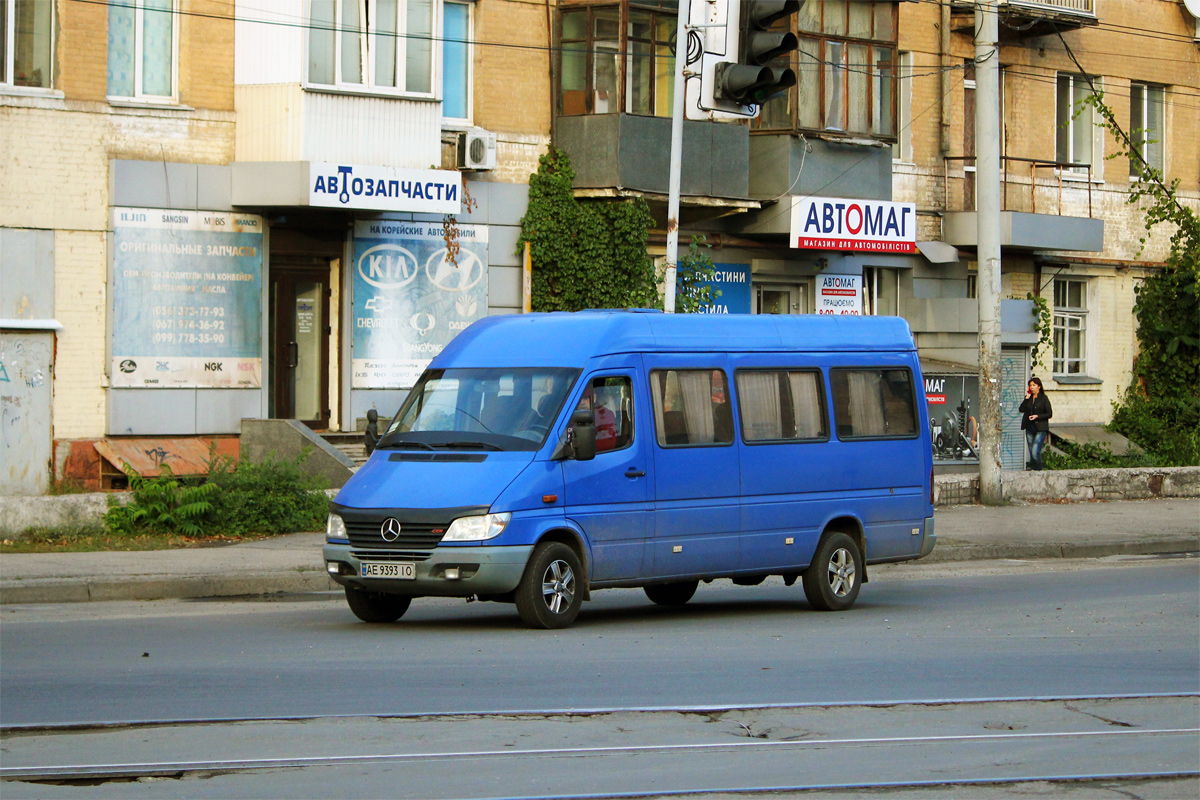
474	529
335	529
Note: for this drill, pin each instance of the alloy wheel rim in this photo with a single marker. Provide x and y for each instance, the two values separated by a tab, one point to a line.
558	586
841	572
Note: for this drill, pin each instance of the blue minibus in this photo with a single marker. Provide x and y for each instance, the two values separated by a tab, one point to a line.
541	457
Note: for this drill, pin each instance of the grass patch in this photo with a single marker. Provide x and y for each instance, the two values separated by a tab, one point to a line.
96	538
1095	456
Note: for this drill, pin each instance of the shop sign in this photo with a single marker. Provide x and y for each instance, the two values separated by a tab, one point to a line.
838	223
953	426
432	191
839	294
411	298
186	299
733	283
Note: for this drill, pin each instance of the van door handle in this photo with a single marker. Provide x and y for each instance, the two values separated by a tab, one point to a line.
634	473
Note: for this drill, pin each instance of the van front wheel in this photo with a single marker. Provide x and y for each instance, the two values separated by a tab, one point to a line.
671	594
376	606
831	581
549	595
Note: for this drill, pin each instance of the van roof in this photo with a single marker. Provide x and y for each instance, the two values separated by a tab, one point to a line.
569	339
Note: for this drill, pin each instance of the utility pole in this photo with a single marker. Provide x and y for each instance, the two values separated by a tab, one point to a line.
987	205
681	49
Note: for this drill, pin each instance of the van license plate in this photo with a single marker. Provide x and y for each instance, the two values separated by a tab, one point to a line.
385	569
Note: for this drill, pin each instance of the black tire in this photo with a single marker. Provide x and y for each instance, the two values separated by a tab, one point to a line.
551	591
832	580
376	606
671	594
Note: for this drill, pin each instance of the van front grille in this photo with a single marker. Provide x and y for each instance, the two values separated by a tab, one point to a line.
390	555
413	535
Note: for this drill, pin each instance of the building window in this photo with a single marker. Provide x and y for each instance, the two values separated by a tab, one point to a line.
141	49
845	71
881	291
373	45
456	61
902	149
1070	327
26	43
1077	134
1146	126
616	58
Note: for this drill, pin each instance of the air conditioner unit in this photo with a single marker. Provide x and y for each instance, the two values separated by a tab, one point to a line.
477	150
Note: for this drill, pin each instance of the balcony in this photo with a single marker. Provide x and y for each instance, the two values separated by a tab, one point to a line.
1045	205
1027	18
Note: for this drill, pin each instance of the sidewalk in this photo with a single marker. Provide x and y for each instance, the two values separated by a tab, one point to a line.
293	563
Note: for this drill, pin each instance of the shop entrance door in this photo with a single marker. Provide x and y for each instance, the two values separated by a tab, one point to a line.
779	299
300	331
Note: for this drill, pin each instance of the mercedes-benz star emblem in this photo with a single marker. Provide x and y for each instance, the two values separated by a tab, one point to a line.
390	529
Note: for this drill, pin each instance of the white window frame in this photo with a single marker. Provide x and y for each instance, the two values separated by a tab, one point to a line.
369	87
1140	136
873	278
138	95
1095	155
1070	320
902	150
9	68
459	122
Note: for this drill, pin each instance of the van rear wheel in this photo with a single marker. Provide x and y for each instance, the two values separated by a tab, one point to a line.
671	594
376	606
831	582
550	594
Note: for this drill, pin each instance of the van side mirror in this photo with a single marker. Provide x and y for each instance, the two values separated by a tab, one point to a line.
371	434
582	434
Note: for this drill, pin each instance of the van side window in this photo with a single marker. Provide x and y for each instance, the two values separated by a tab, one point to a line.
873	402
611	400
779	405
691	407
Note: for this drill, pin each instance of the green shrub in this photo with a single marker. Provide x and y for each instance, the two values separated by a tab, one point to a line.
233	499
1168	427
1094	456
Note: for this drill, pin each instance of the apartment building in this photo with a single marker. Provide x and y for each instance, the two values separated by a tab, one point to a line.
215	210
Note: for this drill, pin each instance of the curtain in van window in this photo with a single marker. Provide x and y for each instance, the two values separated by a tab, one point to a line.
806	404
866	404
695	392
762	415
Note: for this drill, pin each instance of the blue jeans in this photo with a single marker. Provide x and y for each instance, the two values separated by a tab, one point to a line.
1037	442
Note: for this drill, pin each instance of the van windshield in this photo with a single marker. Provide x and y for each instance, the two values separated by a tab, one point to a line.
504	408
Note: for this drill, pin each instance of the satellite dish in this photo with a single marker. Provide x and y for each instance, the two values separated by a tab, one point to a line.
1193	6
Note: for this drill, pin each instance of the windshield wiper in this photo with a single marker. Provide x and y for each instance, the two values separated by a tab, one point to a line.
418	445
471	445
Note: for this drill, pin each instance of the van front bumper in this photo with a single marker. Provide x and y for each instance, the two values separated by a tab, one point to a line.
479	570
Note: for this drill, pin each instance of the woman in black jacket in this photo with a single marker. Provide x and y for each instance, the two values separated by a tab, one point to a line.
1035	420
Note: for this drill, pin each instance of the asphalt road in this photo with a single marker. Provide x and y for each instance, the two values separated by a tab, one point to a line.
917	633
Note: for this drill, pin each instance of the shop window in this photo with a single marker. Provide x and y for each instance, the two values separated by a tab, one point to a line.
780	406
691	407
456	61
873	403
1078	140
142	48
26	43
845	71
1146	125
372	45
1070	327
602	72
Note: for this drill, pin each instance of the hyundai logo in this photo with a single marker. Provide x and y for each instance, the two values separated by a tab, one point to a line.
390	529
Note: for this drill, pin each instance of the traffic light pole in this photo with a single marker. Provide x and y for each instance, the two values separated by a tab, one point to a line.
681	49
987	165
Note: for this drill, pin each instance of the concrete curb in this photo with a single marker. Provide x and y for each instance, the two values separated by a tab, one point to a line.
951	551
20	592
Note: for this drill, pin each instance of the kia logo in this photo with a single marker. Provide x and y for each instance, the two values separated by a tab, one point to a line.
388	266
390	529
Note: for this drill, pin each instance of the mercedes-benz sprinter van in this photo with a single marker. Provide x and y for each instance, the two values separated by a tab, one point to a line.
544	456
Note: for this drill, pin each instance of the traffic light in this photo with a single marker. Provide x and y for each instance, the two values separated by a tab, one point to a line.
752	79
